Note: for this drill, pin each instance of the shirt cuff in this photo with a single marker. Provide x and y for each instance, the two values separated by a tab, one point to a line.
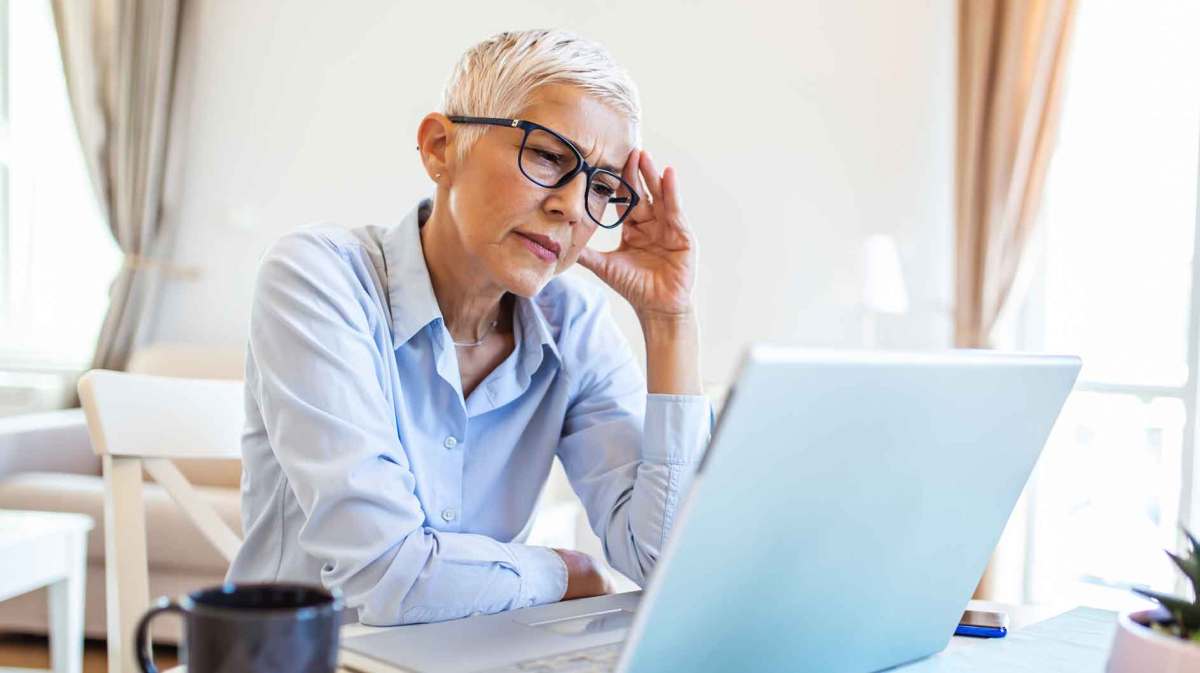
543	575
677	428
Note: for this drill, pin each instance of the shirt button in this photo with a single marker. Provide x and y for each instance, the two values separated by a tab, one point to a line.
450	442
449	514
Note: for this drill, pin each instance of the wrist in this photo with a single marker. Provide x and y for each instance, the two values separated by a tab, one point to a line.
584	577
668	326
672	353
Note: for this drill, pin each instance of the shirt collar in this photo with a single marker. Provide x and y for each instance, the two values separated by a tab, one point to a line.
534	337
410	291
536	333
414	305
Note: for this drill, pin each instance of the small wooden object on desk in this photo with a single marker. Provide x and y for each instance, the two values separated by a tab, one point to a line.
49	549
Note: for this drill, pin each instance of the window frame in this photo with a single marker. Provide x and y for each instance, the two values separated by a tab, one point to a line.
1187	392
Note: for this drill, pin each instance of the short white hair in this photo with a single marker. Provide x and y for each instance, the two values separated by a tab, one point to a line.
500	76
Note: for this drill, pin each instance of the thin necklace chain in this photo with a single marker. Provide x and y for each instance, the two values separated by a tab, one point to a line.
471	344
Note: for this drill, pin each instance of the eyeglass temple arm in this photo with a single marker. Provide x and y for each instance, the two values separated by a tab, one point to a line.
491	121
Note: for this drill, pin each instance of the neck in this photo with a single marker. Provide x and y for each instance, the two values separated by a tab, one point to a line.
469	303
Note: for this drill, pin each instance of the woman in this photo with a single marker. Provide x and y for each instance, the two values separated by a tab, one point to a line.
409	387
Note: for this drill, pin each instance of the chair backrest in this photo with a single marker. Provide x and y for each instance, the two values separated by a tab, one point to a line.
195	361
138	421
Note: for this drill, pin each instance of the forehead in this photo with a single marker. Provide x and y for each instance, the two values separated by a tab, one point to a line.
603	134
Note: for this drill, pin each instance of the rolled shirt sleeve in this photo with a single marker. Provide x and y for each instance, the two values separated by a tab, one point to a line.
630	455
333	431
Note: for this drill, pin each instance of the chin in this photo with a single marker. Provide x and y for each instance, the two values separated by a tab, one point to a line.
520	273
527	282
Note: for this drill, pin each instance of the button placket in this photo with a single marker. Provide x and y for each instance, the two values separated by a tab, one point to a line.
452	446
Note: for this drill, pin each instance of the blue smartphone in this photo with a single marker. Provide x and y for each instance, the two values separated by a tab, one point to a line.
982	624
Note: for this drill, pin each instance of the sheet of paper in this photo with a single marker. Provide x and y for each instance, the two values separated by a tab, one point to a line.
1075	642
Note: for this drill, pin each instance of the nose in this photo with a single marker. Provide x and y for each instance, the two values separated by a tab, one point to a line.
566	202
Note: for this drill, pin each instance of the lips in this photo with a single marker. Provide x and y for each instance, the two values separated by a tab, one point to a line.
541	245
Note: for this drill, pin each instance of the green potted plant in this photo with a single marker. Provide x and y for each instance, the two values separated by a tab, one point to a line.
1166	638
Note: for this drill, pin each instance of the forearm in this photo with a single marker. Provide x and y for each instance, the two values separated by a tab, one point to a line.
433	576
632	472
672	354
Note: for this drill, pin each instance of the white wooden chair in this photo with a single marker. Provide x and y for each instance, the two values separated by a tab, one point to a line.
137	421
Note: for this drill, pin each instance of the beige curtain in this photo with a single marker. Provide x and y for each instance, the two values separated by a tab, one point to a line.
1011	58
119	59
1011	62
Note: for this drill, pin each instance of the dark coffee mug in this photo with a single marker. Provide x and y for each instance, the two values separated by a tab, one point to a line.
265	628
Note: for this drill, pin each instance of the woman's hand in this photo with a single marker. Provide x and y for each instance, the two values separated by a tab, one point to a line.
654	267
584	577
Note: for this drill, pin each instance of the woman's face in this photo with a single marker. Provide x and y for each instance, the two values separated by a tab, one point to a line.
498	211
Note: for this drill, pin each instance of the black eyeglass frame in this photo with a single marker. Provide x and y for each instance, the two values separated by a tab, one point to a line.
581	167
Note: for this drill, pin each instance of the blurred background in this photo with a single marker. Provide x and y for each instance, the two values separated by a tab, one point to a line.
868	174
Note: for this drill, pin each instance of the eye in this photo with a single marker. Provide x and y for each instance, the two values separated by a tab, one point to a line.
549	157
602	189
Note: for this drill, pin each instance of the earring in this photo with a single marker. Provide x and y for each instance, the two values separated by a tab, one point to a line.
436	176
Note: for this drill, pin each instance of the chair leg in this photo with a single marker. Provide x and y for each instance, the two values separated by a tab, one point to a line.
127	582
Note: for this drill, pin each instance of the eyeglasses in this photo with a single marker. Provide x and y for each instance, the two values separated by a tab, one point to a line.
551	161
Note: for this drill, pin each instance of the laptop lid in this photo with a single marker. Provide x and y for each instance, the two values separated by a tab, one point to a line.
846	509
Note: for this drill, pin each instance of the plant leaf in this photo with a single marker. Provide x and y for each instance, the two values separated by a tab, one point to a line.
1187	612
1191	569
1195	545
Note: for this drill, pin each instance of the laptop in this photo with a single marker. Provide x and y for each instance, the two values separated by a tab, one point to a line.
839	522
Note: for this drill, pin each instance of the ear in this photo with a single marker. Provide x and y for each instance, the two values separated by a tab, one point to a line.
435	138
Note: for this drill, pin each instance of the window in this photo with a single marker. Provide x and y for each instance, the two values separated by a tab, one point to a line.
1117	286
57	256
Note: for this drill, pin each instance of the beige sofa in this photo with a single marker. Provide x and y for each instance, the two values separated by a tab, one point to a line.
46	463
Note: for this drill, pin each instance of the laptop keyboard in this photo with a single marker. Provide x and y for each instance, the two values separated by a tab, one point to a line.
602	659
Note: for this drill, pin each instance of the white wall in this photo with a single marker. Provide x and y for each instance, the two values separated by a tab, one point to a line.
797	129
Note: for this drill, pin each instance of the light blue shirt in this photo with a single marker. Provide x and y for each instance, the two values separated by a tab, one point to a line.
366	470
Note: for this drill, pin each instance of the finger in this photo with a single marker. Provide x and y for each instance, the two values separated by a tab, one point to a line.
630	175
629	172
672	199
593	260
650	174
673	207
634	237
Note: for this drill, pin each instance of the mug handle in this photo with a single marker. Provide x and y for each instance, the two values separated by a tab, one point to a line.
142	642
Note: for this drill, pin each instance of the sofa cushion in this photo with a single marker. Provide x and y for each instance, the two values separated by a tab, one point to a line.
172	541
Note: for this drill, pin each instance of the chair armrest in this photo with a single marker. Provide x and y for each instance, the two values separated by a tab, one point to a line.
51	441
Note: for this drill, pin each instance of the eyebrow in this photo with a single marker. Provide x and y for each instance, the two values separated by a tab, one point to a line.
608	167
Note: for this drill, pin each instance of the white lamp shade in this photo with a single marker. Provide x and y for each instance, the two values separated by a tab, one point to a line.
884	290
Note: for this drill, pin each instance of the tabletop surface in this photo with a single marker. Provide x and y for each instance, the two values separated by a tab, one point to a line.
20	526
1019	616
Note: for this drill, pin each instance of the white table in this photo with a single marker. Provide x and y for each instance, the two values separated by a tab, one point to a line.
49	549
1019	617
